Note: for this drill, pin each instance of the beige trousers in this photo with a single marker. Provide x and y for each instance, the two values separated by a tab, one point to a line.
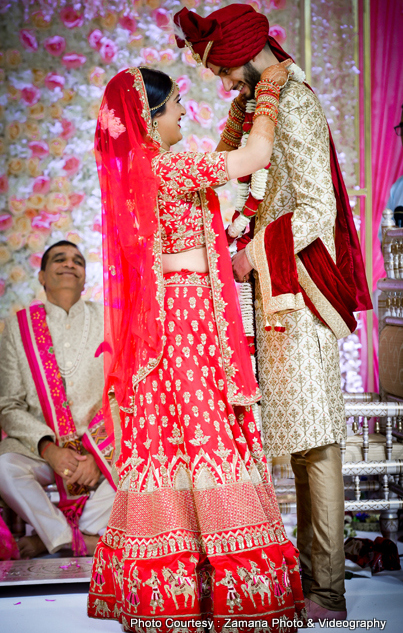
21	481
320	519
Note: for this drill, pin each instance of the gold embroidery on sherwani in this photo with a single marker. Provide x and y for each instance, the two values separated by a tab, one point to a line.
283	303
302	403
299	373
324	307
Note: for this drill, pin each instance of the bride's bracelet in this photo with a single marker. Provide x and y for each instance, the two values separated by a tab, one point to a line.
232	132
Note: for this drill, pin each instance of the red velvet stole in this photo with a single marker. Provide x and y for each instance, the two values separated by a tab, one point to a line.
38	346
348	251
279	248
329	279
325	290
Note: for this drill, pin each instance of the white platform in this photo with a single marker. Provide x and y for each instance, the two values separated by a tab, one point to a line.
379	597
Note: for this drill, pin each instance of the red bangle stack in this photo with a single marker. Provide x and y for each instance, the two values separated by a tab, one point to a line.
232	133
267	95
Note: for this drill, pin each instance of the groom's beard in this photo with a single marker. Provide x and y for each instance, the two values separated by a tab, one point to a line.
251	79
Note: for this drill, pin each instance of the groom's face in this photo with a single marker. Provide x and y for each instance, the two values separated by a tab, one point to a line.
241	78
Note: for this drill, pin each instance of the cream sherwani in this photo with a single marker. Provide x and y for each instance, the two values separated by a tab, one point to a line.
22	420
299	372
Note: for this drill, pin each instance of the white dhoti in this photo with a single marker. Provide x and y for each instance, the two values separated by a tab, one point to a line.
21	486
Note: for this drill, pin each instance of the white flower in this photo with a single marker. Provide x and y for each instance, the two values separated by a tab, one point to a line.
296	73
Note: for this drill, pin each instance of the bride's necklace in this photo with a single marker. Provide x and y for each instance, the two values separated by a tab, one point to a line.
67	372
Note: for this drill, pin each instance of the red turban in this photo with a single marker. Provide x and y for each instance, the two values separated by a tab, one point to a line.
231	36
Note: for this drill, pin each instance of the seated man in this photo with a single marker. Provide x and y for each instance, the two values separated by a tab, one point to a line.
50	408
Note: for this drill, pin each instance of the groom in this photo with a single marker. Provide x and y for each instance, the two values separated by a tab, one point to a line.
309	281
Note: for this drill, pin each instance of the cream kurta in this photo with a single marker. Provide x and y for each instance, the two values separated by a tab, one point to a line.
20	412
299	374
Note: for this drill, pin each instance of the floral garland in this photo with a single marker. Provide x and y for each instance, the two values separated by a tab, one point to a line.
250	193
252	188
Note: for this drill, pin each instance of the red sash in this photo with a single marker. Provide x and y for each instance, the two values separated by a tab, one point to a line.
39	349
327	291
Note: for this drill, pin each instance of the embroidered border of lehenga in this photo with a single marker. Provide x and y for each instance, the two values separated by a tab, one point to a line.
195	531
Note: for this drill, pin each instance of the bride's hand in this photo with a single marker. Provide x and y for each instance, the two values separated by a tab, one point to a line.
277	73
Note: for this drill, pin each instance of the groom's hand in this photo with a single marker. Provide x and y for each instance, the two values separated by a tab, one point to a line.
241	267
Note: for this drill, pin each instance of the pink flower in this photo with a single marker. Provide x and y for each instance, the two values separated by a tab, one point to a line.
108	50
39	149
3	183
161	18
256	4
41	184
97	225
55	45
2	287
207	144
184	84
70	18
53	80
6	221
35	260
73	60
204	115
221	125
192	108
31	95
150	55
94	39
192	143
277	4
279	34
68	129
28	40
97	76
167	56
128	22
188	59
76	199
226	96
42	221
71	165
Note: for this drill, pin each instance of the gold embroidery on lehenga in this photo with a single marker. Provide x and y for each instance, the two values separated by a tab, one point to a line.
157	599
255	583
179	584
233	597
134	585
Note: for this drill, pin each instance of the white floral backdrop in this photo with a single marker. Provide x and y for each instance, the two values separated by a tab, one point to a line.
55	60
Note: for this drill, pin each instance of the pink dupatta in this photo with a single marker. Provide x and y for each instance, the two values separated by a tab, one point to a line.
38	347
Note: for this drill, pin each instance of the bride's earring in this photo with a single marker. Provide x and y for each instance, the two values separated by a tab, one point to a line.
154	132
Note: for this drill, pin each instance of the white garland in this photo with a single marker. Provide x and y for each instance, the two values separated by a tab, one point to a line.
258	189
259	178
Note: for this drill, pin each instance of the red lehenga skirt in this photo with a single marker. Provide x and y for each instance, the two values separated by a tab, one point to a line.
195	534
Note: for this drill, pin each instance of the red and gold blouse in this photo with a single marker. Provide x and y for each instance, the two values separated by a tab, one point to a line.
182	175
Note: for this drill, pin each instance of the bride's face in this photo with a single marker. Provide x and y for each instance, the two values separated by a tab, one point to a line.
169	122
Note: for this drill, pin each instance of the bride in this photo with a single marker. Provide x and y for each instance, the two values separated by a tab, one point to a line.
195	527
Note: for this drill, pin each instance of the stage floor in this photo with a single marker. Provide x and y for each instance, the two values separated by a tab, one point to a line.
46	608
